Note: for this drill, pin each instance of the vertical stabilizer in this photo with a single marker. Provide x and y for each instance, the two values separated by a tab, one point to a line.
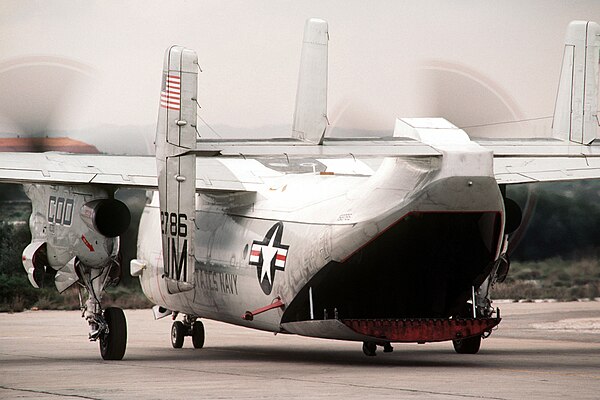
176	166
576	109
310	115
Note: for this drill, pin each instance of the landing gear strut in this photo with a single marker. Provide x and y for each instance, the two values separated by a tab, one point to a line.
189	327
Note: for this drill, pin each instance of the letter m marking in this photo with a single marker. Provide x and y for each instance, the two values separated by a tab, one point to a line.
178	269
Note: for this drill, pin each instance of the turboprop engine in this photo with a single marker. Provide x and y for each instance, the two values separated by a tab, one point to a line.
72	224
75	233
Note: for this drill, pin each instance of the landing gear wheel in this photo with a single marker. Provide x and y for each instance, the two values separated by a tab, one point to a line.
177	334
198	334
387	347
369	348
467	346
114	343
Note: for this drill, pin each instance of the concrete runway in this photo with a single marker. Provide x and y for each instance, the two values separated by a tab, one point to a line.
540	351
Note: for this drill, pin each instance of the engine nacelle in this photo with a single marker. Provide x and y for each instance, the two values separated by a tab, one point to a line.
109	217
81	222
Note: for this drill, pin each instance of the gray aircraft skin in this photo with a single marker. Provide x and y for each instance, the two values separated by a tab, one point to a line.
376	240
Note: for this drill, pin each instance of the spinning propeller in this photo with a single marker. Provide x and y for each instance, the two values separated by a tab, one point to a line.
37	92
461	95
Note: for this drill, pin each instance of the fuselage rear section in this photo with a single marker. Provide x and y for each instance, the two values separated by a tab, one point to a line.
345	240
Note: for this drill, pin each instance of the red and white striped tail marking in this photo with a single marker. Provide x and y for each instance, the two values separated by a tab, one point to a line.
170	95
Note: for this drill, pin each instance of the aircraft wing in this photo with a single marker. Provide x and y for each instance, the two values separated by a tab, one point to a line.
213	167
512	170
542	160
120	171
515	161
132	171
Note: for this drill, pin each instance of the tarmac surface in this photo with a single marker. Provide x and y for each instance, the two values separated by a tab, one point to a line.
540	351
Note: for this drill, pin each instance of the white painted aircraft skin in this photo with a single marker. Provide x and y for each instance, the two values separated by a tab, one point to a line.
317	232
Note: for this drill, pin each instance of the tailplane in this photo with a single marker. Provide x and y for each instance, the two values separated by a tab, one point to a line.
576	109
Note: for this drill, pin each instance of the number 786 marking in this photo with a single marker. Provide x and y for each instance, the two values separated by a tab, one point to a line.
173	224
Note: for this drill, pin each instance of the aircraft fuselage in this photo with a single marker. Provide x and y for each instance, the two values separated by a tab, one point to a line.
384	238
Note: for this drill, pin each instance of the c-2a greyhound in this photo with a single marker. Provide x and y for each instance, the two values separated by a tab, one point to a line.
374	240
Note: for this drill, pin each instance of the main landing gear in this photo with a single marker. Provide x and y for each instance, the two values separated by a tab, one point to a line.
370	348
107	326
113	339
483	309
189	327
468	345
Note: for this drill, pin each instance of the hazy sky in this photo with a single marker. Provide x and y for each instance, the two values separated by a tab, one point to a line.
78	66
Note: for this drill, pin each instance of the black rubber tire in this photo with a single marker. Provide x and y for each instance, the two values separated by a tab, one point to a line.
177	334
114	344
369	348
198	334
467	346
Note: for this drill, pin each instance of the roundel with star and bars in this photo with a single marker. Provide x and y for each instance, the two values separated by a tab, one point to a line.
269	255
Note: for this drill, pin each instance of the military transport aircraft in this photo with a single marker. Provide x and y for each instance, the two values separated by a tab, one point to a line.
374	240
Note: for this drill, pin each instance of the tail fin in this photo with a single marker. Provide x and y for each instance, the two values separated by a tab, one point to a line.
176	165
310	115
576	109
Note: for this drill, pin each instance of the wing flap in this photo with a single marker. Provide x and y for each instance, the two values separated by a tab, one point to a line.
37	175
130	171
512	170
542	160
371	148
539	148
